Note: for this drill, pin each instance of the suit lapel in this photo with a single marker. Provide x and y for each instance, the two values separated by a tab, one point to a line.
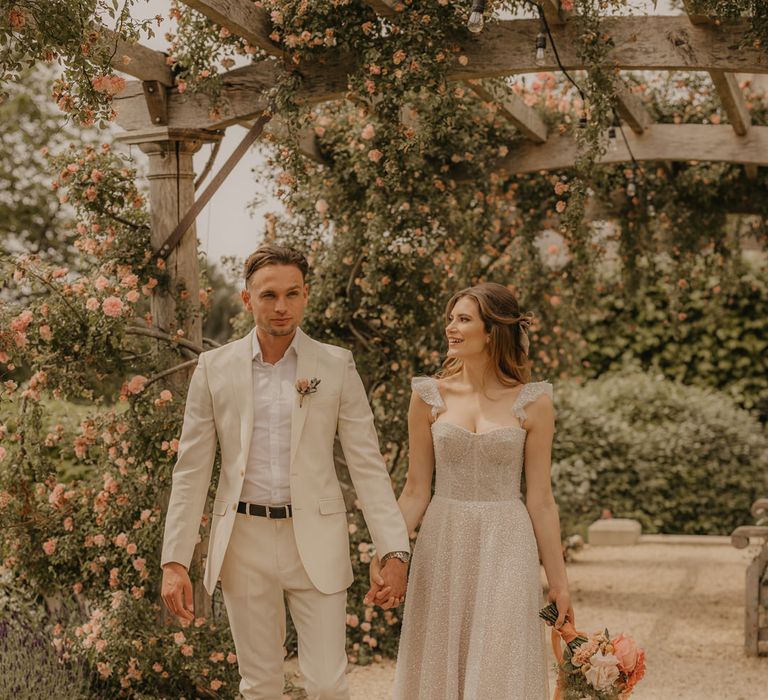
242	390
306	367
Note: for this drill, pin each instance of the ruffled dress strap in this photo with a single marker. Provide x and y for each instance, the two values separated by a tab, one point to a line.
528	394
428	390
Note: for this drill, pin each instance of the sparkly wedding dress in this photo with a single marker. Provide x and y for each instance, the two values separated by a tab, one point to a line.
471	629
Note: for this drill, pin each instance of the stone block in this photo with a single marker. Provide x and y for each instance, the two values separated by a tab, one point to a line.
614	531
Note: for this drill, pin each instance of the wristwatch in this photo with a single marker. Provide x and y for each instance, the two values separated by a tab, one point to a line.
404	557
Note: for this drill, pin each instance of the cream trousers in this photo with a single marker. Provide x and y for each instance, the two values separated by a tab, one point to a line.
261	571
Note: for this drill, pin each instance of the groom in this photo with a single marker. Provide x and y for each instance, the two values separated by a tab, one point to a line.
275	401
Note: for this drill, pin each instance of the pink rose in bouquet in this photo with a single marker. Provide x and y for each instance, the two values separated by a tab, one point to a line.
625	650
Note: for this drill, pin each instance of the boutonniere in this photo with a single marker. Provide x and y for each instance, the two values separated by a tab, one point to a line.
305	387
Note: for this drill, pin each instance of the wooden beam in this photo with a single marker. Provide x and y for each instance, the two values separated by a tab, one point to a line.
241	17
660	142
513	108
554	14
385	8
693	16
641	43
732	99
138	61
503	48
726	84
631	109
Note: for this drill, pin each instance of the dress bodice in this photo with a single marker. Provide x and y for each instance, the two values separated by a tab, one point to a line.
483	466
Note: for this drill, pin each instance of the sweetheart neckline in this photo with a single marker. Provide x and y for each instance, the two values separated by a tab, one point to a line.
485	432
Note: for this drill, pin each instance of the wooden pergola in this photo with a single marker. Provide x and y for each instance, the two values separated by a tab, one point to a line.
171	126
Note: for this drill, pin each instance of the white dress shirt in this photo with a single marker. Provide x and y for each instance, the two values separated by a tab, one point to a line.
269	459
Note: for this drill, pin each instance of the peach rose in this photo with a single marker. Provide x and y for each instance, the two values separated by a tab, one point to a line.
112	306
603	671
625	650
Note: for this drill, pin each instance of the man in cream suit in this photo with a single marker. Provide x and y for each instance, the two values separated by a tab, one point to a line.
278	523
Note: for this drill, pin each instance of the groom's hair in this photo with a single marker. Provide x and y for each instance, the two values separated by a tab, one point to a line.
272	254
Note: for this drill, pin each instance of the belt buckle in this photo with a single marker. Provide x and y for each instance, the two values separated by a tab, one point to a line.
269	513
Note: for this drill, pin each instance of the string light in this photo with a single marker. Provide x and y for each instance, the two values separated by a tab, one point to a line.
541	45
476	21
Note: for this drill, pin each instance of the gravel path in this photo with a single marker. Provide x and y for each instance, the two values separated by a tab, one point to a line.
682	602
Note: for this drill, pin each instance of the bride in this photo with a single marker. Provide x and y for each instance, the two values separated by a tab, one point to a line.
470	627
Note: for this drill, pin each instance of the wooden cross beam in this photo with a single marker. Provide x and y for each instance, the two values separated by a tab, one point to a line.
660	142
385	8
138	60
242	18
631	109
513	108
554	14
727	86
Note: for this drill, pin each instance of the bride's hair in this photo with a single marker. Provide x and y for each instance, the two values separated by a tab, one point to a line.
500	312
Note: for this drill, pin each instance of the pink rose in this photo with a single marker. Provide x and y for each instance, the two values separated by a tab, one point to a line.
92	304
131	548
368	132
132	296
112	306
302	385
49	547
121	540
45	333
135	384
101	283
625	650
375	155
187	649
166	395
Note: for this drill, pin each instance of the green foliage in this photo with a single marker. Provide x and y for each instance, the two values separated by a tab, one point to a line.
679	459
709	333
71	34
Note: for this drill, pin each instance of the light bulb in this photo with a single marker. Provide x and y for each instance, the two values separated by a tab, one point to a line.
541	44
476	22
613	144
631	188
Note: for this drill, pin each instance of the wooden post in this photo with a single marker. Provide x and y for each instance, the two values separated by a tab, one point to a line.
171	178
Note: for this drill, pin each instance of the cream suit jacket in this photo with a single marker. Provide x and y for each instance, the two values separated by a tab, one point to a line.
220	407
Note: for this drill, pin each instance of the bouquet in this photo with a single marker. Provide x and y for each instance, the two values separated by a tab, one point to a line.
597	667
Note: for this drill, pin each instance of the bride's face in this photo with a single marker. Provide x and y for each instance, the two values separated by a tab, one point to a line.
465	330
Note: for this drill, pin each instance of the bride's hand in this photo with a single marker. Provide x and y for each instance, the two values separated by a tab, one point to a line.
377	583
562	599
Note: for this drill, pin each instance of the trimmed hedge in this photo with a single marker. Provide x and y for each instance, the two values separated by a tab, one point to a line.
679	459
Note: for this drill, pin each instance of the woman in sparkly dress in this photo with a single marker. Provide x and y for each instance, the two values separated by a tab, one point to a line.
471	629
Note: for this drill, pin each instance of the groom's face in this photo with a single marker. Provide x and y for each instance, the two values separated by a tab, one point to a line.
276	295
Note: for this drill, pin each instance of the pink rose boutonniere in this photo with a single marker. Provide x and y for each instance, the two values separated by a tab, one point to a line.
305	387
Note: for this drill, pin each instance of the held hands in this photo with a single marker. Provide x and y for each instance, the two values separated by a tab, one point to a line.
388	583
177	591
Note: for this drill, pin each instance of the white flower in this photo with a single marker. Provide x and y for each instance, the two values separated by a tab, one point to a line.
603	672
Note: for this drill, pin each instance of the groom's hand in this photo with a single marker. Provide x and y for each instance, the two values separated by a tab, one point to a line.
177	591
394	574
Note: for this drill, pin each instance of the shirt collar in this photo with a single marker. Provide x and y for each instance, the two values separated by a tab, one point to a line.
256	347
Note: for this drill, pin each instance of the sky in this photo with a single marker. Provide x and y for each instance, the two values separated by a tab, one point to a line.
228	225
